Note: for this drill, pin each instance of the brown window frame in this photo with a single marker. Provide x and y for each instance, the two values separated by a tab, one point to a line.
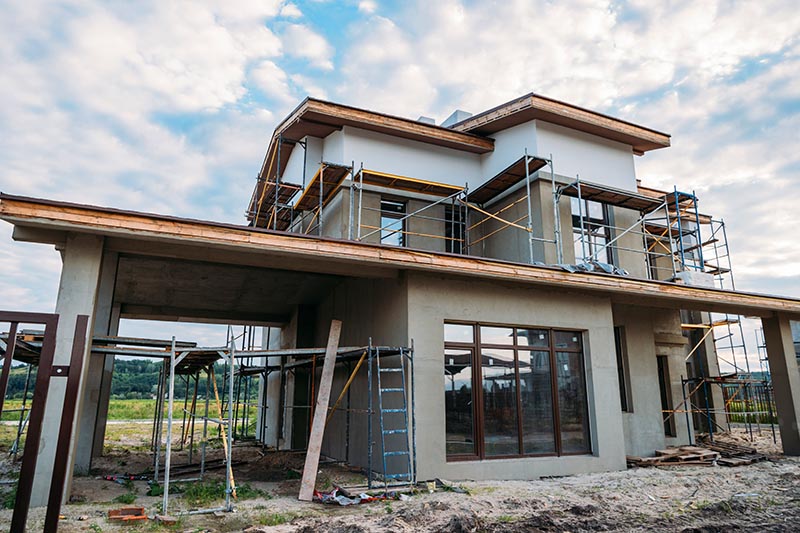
478	415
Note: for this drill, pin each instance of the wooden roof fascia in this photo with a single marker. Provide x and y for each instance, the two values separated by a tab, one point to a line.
105	221
568	115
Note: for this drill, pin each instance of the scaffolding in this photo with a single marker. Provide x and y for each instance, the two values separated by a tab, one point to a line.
358	361
748	403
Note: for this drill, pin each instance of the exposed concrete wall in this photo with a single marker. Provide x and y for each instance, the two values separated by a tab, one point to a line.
369	309
511	243
432	300
785	379
271	340
593	158
632	261
650	333
670	342
77	293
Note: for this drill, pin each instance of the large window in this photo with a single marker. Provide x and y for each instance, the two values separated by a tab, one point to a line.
512	391
590	231
393	227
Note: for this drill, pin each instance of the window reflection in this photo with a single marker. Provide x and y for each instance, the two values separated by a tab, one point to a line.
459	426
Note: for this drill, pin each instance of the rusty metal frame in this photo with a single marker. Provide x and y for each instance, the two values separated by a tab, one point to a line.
46	371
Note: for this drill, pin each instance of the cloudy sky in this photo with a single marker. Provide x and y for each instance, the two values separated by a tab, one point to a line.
167	106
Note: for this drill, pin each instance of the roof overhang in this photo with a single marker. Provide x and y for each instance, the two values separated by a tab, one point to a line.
535	107
49	219
318	118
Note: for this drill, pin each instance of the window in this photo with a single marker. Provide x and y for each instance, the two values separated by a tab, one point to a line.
622	370
454	229
665	391
590	229
393	224
512	391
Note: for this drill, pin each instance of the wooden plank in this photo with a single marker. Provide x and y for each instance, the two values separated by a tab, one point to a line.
320	411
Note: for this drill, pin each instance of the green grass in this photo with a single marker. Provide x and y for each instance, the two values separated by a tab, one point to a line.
207	492
127	499
275	519
119	409
738	408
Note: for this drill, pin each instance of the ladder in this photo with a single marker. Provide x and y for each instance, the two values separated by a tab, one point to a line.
390	424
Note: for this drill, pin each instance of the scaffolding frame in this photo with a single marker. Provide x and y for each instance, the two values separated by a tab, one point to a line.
363	356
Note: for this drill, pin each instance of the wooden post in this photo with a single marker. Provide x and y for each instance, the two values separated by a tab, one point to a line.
318	426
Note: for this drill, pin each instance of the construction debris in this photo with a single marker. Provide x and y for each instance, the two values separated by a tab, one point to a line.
685	455
127	514
733	454
706	453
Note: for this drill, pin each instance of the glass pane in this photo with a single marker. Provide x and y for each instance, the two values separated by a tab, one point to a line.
458	333
459	426
536	392
595	210
575	206
578	247
501	434
572	409
533	337
567	340
491	335
391	231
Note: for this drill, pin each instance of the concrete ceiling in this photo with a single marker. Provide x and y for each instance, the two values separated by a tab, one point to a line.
179	290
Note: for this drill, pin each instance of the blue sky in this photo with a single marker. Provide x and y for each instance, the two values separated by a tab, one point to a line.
168	106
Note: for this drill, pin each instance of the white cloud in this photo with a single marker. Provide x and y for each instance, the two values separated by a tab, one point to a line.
291	11
303	42
368	6
273	81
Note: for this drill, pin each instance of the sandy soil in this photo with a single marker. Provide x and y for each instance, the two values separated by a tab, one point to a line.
759	497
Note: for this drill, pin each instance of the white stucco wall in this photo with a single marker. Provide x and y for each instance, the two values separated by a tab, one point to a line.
293	171
593	158
333	149
408	158
509	145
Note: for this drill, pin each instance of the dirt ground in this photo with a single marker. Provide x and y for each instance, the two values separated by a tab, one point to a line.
763	496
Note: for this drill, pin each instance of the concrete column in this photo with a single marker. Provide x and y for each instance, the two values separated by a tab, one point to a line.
97	389
785	379
76	296
105	390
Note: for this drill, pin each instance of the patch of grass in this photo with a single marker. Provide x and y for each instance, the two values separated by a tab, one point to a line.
155	490
9	498
128	498
275	519
246	492
506	518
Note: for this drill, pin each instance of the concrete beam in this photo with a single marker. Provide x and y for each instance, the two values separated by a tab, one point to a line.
785	379
77	293
209	316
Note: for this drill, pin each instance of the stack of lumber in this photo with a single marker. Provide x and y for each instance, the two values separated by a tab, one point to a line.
685	455
706	453
734	454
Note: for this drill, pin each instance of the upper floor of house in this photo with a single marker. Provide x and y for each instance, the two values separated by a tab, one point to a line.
533	180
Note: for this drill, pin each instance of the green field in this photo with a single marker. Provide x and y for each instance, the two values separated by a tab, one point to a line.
119	409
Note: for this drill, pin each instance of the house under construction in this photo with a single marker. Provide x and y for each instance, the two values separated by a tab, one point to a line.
514	302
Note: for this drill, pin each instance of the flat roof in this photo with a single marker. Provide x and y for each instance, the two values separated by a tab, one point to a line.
536	107
52	220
